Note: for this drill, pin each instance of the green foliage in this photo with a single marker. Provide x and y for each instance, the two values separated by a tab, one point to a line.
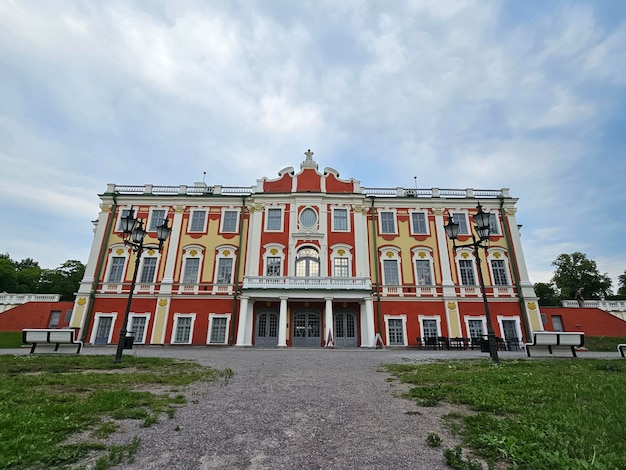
539	414
118	455
46	399
547	294
454	458
621	281
27	277
576	271
433	439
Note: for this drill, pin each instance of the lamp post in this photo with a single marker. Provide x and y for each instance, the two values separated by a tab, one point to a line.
134	235
481	219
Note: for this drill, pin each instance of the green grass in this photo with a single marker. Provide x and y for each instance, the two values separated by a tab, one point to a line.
541	414
44	400
10	339
603	343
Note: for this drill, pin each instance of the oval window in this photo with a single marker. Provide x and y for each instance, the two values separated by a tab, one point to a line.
308	218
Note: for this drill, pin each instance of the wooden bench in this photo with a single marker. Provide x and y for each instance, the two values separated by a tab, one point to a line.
621	348
56	337
557	339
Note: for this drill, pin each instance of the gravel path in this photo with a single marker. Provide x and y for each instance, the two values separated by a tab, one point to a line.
293	409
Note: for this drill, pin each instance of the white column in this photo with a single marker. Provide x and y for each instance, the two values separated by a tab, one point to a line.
243	322
444	259
328	320
517	247
368	337
361	246
253	249
172	250
282	323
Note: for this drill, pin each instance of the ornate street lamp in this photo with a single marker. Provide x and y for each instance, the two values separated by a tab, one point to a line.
134	235
481	220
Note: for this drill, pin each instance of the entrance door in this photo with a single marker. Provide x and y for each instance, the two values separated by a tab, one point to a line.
345	330
266	329
510	335
104	328
306	329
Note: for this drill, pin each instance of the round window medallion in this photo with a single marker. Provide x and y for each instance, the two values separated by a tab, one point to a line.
308	218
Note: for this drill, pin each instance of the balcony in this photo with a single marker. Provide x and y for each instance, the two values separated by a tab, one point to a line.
292	282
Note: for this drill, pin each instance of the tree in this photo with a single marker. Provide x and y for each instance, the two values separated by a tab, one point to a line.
621	281
547	293
63	280
576	271
8	274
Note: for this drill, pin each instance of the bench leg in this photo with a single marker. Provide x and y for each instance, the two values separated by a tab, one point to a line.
32	348
574	351
528	350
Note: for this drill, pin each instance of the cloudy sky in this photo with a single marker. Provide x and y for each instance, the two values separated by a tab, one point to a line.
529	95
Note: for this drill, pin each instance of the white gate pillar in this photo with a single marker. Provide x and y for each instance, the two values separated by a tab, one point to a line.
282	323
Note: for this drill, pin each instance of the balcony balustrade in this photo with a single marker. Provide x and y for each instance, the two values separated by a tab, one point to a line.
294	282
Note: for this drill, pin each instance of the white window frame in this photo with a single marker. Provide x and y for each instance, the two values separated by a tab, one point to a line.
192	214
342	251
116	251
391	253
481	318
274	250
518	326
465	225
401	317
421	318
380	221
150	253
333	226
96	323
315	226
282	219
122	213
177	317
426	224
193	252
225	210
494	222
224	252
149	227
424	254
213	316
469	256
131	319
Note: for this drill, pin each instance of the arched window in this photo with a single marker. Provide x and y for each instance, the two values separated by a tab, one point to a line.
307	262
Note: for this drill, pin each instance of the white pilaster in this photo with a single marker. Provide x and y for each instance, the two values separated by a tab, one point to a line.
444	259
244	319
282	323
172	250
361	247
368	336
328	320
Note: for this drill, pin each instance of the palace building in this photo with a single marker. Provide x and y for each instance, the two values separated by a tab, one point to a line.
307	259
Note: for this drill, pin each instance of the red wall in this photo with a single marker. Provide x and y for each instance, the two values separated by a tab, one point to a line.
33	315
591	321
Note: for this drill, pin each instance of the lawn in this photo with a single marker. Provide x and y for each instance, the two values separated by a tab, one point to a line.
530	414
44	400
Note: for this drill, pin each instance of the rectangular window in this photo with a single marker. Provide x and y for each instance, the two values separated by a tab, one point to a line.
340	219
499	273
123	213
493	224
117	269
429	328
192	266
183	330
55	317
390	272
475	328
396	333
68	316
218	330
148	270
229	221
459	218
197	221
387	222
138	328
274	219
418	220
557	322
466	267
341	267
224	270
156	218
273	266
423	272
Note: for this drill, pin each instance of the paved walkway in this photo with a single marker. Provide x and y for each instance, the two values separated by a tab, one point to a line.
294	409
